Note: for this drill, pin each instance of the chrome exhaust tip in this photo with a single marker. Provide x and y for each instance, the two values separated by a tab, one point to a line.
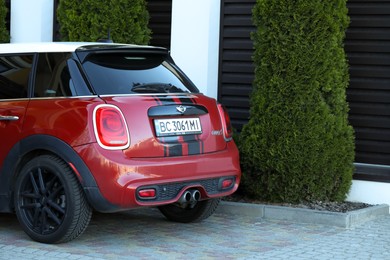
195	196
189	198
185	198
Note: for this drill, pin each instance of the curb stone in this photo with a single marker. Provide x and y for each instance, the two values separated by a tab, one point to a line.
346	220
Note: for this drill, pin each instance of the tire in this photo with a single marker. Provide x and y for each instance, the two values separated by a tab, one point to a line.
49	202
201	210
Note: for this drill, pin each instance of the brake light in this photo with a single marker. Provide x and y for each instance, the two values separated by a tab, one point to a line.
226	183
226	125
110	127
147	193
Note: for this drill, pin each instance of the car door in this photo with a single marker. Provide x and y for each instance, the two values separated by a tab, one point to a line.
15	72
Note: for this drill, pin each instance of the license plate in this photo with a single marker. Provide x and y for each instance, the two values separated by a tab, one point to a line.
177	126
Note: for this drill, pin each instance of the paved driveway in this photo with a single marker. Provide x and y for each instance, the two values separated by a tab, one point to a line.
145	234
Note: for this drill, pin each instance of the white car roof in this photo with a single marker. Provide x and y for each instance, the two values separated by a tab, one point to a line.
6	48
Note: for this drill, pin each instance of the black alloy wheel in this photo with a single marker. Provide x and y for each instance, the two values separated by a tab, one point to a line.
49	201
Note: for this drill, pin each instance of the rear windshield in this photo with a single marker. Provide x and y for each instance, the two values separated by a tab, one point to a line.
129	73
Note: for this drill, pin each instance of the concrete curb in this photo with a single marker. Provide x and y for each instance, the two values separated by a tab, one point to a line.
346	220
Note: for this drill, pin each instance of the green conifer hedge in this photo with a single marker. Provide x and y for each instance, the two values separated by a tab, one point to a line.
90	20
4	34
298	144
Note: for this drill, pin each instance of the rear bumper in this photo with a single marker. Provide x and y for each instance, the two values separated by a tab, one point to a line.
118	178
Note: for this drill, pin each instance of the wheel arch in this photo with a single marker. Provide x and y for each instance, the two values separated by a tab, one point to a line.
36	145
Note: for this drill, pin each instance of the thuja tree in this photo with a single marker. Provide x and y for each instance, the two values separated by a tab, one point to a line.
4	34
298	144
91	20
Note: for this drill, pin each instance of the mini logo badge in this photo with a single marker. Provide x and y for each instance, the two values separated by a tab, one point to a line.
181	109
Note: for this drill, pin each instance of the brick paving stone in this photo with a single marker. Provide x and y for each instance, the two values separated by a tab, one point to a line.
145	234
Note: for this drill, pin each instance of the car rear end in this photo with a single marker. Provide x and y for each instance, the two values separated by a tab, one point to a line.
109	127
158	140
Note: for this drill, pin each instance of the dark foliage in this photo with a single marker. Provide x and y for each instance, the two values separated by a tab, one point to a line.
90	20
4	34
298	144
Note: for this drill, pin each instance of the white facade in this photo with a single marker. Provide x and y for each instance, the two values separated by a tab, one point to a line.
194	47
195	41
31	21
370	192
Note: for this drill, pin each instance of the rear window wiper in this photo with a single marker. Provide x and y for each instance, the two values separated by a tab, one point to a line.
156	88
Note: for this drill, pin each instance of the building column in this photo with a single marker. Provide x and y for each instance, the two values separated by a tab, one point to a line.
31	21
195	41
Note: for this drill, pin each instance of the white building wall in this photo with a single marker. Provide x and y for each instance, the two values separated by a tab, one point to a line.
31	20
370	192
195	41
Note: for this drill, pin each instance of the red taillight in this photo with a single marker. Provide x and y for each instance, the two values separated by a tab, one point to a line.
110	127
226	125
226	183
147	193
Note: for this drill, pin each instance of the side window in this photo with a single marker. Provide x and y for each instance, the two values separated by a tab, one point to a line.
52	77
14	75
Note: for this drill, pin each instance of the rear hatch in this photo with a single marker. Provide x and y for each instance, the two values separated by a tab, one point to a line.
164	126
164	112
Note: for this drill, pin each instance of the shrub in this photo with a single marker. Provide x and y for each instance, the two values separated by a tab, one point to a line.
298	144
90	20
4	34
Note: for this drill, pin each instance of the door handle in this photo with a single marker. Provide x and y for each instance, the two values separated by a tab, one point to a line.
9	118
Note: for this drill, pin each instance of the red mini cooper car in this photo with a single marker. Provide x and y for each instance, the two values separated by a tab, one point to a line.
106	127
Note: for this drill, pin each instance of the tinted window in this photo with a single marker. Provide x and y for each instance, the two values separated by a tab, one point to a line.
14	75
52	78
128	73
